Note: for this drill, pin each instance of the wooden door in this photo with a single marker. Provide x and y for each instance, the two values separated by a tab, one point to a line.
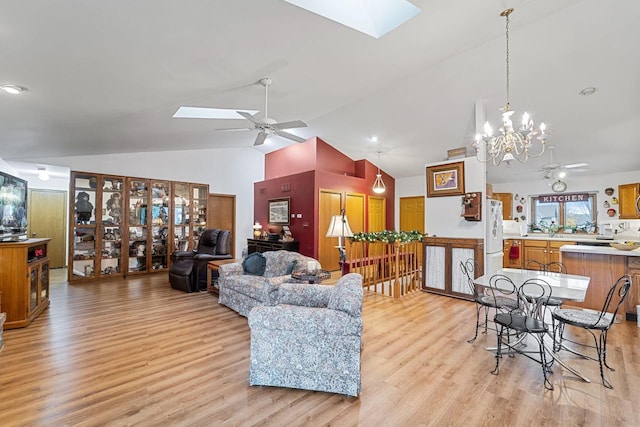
377	214
354	208
47	215
221	213
412	213
329	204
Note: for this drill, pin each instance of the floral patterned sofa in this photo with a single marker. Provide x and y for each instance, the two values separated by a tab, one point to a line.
241	292
311	340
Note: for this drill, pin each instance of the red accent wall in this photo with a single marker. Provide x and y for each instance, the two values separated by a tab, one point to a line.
299	171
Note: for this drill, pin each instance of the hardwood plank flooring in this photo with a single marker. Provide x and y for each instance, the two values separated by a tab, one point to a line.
135	352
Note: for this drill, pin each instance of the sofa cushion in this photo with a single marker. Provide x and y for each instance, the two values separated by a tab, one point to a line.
346	295
254	264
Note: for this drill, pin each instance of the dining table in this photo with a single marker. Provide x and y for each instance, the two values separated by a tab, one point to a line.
567	287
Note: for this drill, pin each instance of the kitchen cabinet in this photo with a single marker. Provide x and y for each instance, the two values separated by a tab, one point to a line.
24	281
441	272
633	300
543	251
507	204
629	198
508	260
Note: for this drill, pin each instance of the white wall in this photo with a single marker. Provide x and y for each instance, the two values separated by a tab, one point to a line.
442	214
226	170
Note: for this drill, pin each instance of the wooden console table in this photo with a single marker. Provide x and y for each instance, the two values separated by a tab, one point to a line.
264	245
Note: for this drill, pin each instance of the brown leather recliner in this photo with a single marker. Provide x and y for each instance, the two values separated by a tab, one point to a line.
188	270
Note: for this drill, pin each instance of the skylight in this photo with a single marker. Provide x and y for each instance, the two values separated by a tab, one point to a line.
372	17
210	113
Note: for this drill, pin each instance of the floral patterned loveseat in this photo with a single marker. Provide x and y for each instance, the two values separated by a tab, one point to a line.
241	292
311	340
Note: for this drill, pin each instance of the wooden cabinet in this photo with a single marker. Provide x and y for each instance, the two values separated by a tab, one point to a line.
507	204
24	281
510	259
441	272
633	300
543	251
629	196
123	225
262	245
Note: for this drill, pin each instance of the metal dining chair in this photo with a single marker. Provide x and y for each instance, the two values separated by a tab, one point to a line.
526	319
484	300
593	322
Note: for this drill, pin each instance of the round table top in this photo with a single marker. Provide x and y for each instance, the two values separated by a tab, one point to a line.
311	276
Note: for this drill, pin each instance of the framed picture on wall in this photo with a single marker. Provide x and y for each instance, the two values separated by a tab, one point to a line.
445	180
279	211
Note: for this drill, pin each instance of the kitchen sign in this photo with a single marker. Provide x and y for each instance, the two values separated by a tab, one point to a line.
569	197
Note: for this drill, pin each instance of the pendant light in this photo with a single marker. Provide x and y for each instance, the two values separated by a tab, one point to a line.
378	185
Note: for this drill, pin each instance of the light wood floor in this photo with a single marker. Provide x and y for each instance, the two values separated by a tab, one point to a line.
136	352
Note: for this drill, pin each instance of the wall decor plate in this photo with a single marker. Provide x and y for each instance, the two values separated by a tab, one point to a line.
606	204
611	212
608	191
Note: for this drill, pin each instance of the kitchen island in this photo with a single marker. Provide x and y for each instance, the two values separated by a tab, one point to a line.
604	265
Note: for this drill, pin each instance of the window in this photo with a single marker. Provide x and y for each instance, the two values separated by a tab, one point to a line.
564	215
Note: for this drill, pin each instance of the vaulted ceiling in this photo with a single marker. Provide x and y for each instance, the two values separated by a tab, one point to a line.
106	77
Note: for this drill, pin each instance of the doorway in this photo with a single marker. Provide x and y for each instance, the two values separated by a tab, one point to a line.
412	213
377	214
47	214
221	213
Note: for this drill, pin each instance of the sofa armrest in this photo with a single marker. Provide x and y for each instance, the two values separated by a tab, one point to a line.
200	258
231	269
304	295
285	317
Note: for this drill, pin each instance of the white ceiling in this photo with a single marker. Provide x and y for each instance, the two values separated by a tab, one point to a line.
106	77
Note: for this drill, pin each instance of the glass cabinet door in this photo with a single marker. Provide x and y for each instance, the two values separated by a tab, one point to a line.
44	282
83	240
199	205
160	197
111	237
181	206
33	288
138	224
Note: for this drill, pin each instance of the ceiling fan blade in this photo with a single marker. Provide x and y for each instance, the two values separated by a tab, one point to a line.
260	138
290	136
247	116
575	165
290	125
235	129
208	113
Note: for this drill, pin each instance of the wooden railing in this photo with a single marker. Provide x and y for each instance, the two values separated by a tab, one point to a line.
392	269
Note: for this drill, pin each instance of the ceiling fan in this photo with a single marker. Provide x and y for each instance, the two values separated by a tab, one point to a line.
554	167
266	125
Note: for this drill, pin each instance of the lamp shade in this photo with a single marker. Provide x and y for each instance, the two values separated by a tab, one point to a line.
339	227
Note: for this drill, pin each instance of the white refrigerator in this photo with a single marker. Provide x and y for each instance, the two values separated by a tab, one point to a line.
493	245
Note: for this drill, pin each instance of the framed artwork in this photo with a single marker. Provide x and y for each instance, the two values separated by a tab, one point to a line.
445	180
279	211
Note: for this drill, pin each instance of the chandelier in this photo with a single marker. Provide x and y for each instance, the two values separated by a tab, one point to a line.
510	144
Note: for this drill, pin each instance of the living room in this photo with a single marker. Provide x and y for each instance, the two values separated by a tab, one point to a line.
92	340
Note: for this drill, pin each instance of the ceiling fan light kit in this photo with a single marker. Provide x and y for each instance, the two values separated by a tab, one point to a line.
510	144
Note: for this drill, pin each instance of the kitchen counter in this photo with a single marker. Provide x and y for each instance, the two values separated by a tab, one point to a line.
598	250
567	237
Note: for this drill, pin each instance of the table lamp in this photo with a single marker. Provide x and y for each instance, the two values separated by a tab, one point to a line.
339	227
256	230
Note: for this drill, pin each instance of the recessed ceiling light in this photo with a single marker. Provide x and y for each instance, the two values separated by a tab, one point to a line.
374	139
13	89
588	91
42	174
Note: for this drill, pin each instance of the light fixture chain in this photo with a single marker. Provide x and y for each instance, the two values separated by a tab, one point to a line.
507	60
